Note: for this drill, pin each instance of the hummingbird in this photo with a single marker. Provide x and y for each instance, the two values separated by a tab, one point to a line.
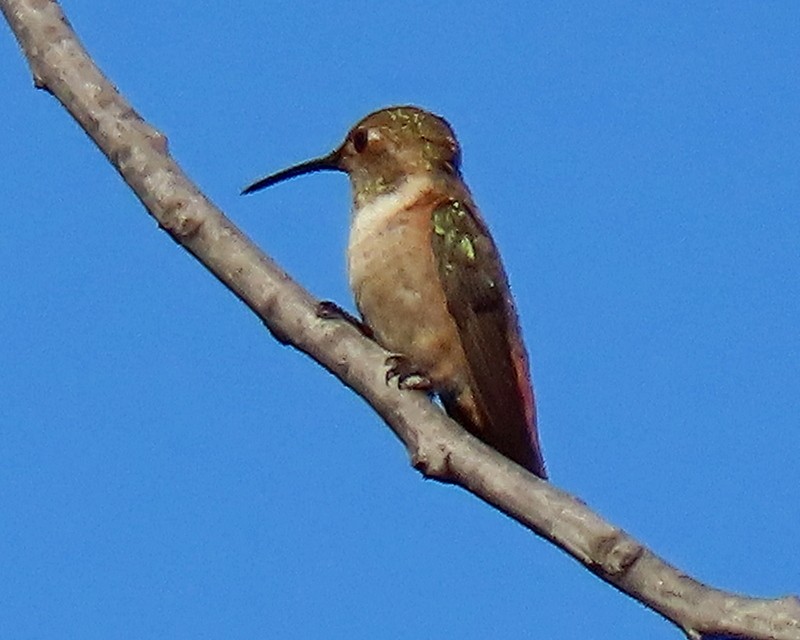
427	277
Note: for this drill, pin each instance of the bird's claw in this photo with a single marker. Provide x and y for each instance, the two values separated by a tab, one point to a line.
407	373
329	310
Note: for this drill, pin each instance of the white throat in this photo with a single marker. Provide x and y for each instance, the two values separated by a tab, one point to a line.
373	216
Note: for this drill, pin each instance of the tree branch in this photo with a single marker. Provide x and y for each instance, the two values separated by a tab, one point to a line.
439	448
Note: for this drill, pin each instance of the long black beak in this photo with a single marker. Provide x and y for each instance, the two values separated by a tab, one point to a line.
325	163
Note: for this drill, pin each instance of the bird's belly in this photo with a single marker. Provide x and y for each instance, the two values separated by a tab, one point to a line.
397	291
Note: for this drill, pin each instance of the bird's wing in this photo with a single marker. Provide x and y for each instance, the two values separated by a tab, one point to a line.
478	297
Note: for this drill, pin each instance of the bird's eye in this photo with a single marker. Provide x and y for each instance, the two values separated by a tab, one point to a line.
360	140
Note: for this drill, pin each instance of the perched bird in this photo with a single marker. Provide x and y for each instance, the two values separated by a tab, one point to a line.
427	277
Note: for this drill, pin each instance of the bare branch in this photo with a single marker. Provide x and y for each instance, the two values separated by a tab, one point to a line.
438	447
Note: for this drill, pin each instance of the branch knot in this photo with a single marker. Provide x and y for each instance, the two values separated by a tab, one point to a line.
614	554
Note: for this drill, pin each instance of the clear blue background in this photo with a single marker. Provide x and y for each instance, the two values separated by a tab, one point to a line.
167	470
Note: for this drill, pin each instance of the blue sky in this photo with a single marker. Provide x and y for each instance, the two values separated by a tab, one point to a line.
167	470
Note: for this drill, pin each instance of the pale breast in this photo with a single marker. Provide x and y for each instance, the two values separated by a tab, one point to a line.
372	222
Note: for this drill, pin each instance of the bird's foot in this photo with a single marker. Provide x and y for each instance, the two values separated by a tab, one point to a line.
329	310
407	373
